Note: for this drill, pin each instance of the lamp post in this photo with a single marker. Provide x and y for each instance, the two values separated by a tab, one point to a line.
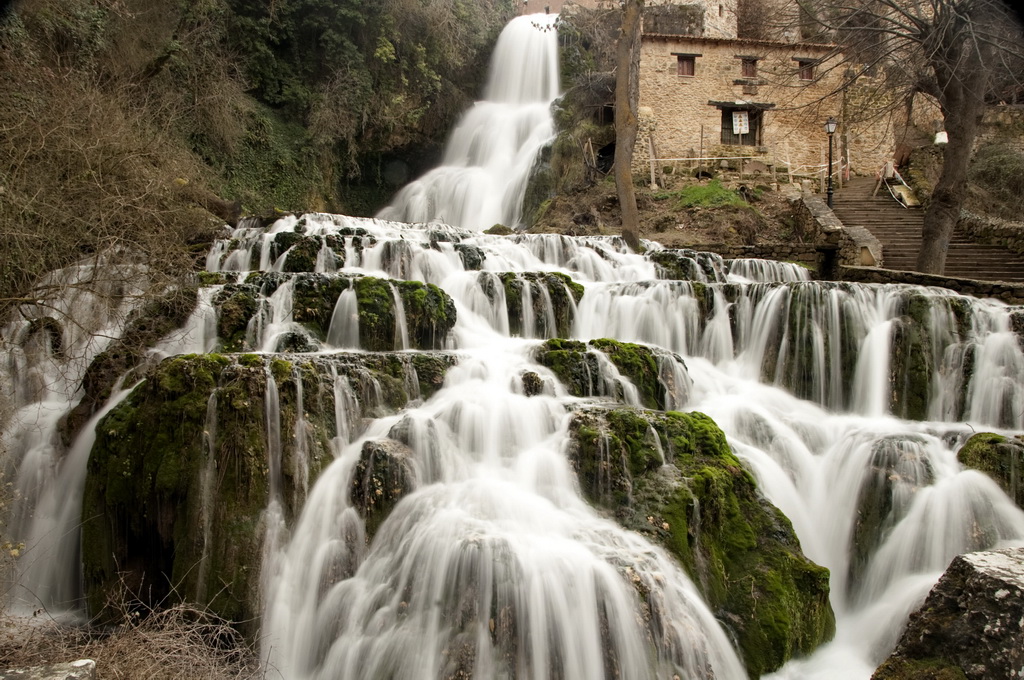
830	128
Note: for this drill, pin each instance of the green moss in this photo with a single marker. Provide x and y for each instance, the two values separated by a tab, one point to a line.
569	360
637	363
429	313
211	278
999	457
705	508
237	305
376	314
911	360
144	511
314	297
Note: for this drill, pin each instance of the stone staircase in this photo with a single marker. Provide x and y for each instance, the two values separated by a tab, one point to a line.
899	231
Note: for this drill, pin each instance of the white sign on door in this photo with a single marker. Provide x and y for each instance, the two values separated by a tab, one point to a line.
740	123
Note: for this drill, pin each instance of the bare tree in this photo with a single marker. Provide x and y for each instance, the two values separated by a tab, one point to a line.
957	51
627	96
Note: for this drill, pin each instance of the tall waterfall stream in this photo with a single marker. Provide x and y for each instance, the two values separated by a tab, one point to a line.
492	563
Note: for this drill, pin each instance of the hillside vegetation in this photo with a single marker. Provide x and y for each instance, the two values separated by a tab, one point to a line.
146	124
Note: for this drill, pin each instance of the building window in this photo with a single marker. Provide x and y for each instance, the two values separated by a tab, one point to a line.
685	64
748	67
741	127
806	68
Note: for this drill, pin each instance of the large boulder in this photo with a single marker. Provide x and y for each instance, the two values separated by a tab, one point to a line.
672	477
181	476
970	627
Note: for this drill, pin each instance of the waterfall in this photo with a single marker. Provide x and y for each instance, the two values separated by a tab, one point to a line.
491	563
488	159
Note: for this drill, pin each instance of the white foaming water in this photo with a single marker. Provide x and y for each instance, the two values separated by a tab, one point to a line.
487	161
82	310
450	550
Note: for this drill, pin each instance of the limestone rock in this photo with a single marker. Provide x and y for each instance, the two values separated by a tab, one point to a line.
970	626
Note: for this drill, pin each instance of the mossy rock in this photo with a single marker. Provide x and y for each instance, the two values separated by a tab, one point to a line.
145	327
430	313
563	293
999	457
688	265
142	510
579	371
236	304
705	508
161	475
911	362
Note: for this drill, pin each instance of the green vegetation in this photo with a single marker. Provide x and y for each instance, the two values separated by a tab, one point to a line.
143	126
704	507
710	195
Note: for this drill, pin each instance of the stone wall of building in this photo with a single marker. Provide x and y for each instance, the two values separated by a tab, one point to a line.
690	111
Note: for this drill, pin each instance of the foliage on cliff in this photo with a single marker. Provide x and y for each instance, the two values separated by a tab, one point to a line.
143	126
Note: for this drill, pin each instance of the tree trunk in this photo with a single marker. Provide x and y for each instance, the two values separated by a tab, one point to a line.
943	212
962	69
627	95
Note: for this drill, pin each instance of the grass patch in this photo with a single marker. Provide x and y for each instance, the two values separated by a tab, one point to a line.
710	195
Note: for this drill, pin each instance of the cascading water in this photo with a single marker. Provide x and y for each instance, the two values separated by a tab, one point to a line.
490	564
487	162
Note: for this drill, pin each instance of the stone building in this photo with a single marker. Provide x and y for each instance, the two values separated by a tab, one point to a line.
706	92
723	98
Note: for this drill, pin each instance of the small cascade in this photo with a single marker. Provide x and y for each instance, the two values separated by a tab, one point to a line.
764	271
276	319
343	331
401	326
206	482
272	421
49	574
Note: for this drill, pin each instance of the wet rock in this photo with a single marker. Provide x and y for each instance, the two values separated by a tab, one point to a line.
999	457
533	384
970	626
673	478
83	669
179	479
552	297
899	468
383	475
472	257
688	265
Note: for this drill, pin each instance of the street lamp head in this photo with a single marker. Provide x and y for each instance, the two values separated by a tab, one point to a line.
830	125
